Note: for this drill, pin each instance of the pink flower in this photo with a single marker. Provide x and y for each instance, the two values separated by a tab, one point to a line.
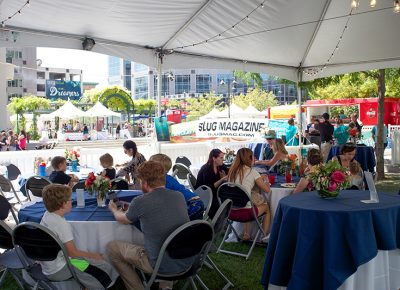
332	186
338	176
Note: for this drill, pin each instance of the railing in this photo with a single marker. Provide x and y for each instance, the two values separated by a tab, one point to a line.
395	146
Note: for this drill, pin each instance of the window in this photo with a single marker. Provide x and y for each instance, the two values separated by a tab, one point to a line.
203	83
40	87
141	91
40	75
114	66
140	67
182	84
164	86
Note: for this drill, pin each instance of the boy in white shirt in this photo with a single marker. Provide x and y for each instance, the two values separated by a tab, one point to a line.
91	268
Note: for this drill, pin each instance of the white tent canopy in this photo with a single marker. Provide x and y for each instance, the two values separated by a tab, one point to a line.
214	113
66	111
292	39
99	110
252	112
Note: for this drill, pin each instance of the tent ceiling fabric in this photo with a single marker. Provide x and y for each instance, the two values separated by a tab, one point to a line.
277	39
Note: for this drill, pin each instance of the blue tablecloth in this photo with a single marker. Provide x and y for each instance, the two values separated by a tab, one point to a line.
90	212
317	243
365	155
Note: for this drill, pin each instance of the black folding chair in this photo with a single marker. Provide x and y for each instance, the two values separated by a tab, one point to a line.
40	244
9	259
35	185
120	184
79	185
190	241
219	222
7	186
206	196
183	160
192	181
13	172
180	171
240	198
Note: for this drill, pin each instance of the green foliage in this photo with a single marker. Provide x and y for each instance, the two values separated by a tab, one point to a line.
260	99
348	110
115	103
145	106
249	78
203	105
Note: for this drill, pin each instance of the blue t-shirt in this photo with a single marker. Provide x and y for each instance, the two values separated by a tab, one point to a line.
385	133
341	134
291	131
173	184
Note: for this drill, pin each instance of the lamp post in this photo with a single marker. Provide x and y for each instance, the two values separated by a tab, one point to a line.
233	83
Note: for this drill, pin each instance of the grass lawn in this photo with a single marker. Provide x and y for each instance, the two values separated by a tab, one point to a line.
244	274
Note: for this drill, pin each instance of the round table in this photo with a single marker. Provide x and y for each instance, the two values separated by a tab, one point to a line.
93	227
318	244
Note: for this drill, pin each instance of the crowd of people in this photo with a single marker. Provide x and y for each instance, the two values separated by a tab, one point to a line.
10	141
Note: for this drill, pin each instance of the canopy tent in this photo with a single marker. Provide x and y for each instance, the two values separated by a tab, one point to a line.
301	37
234	111
214	113
252	112
99	110
66	111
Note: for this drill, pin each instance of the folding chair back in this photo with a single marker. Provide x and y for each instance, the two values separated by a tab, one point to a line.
205	194
120	184
180	171
79	185
240	198
7	186
13	172
183	160
234	192
35	185
192	181
5	230
192	239
221	217
40	244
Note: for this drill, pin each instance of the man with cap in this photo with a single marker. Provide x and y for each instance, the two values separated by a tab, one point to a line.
325	129
270	137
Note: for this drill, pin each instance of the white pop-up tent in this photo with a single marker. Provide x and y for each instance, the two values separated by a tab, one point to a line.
99	110
66	111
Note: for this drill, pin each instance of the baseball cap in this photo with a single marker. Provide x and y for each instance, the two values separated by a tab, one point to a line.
271	134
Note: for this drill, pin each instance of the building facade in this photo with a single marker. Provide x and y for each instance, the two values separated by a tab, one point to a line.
141	80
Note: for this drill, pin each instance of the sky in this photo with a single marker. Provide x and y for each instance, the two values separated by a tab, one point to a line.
94	65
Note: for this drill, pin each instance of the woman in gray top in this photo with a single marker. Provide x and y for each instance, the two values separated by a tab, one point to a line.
129	169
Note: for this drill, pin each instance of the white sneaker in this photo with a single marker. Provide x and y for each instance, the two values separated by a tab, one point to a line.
265	239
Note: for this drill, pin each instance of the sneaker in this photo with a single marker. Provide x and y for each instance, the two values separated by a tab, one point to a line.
265	239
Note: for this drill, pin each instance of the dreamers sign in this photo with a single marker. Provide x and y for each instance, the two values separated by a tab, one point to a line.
58	89
244	128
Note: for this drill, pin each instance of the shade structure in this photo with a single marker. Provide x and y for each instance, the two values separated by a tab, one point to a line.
235	112
99	110
293	39
252	112
66	111
214	113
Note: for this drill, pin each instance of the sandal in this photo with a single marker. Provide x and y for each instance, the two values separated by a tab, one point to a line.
246	237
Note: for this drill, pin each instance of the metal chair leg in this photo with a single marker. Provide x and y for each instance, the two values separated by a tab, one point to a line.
214	266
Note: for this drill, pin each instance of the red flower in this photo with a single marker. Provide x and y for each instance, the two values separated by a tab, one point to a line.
338	176
353	132
332	186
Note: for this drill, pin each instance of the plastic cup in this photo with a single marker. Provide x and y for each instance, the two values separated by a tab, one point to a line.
271	178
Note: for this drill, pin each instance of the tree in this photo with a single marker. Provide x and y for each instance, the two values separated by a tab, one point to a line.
249	78
257	97
203	105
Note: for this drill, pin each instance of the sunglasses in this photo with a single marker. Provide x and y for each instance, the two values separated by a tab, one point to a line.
270	138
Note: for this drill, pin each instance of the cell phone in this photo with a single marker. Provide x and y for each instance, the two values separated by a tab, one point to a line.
112	195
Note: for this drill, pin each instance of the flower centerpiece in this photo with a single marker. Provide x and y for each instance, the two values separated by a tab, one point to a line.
229	155
98	186
329	179
288	165
72	157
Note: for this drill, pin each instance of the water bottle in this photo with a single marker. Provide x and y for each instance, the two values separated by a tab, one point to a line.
42	169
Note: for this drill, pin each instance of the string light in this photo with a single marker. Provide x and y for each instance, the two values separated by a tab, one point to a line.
18	12
316	70
231	28
355	4
372	3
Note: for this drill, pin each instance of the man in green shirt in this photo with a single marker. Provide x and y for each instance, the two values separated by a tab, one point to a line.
385	135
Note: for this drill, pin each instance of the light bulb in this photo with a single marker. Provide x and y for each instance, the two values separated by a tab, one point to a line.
372	3
396	8
354	4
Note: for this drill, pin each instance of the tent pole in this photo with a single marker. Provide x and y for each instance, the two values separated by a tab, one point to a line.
299	117
159	72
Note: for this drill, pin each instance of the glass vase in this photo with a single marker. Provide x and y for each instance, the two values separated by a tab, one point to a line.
326	194
74	165
101	199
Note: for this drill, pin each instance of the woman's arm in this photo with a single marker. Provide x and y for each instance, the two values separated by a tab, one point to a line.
73	252
262	185
302	185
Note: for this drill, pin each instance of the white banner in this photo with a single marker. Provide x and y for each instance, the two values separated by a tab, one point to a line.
244	128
